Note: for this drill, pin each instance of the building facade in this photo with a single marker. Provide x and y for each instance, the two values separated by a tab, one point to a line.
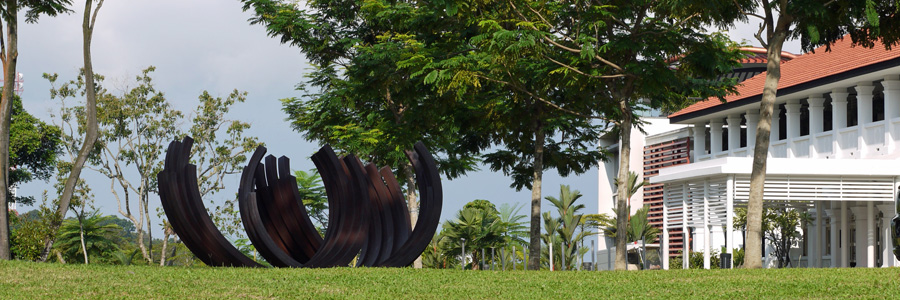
833	153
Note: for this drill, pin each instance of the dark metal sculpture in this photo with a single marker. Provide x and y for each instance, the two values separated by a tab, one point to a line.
368	217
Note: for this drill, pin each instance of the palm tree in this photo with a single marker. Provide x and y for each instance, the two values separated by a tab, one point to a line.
89	237
481	230
566	226
516	229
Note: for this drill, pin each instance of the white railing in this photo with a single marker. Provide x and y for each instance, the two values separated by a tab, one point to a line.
825	144
873	135
867	140
800	147
778	149
848	141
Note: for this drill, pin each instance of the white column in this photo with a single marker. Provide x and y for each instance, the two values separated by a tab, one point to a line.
715	136
734	131
752	117
863	114
707	234
887	248
816	121
838	119
685	234
845	235
870	234
793	123
860	217
864	102
729	218
665	231
816	114
820	236
833	235
810	233
699	140
839	108
891	109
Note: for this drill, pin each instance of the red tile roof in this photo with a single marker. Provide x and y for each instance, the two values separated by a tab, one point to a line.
844	56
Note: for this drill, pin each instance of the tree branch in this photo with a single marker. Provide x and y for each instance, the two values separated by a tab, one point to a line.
541	99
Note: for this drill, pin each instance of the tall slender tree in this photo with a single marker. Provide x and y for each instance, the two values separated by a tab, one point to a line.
9	55
91	129
814	23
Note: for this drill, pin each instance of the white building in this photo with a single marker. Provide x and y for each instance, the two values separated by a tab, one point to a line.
834	152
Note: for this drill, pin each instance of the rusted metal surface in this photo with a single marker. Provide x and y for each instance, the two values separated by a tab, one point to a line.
180	197
368	216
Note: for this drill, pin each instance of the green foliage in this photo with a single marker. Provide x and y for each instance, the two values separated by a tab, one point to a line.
781	230
98	239
484	205
33	148
314	197
29	231
362	98
565	231
737	257
638	227
779	227
480	228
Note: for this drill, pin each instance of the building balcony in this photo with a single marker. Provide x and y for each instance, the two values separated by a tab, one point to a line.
868	141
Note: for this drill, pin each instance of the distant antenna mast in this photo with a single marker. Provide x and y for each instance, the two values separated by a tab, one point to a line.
20	84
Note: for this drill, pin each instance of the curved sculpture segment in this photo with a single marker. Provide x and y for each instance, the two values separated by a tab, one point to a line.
368	216
180	196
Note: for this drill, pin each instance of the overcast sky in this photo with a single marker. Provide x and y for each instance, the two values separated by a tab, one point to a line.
199	45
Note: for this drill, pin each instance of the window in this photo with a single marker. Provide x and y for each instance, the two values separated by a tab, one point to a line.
782	122
878	107
804	118
852	109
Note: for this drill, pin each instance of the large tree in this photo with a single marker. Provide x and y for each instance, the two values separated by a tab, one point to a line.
362	97
589	60
814	23
34	149
9	55
91	130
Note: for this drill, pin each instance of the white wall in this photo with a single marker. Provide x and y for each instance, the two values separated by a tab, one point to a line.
609	170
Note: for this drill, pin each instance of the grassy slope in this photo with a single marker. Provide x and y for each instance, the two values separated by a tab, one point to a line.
23	280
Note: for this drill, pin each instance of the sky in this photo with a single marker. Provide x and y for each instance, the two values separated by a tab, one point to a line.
209	45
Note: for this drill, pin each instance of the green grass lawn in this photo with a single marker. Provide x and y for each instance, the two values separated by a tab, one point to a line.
24	280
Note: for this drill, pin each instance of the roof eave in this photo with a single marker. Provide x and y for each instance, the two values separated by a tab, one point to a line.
689	117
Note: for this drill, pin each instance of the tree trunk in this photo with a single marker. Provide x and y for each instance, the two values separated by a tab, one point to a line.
162	251
753	252
144	200
622	188
143	247
9	77
534	246
81	233
91	131
412	202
